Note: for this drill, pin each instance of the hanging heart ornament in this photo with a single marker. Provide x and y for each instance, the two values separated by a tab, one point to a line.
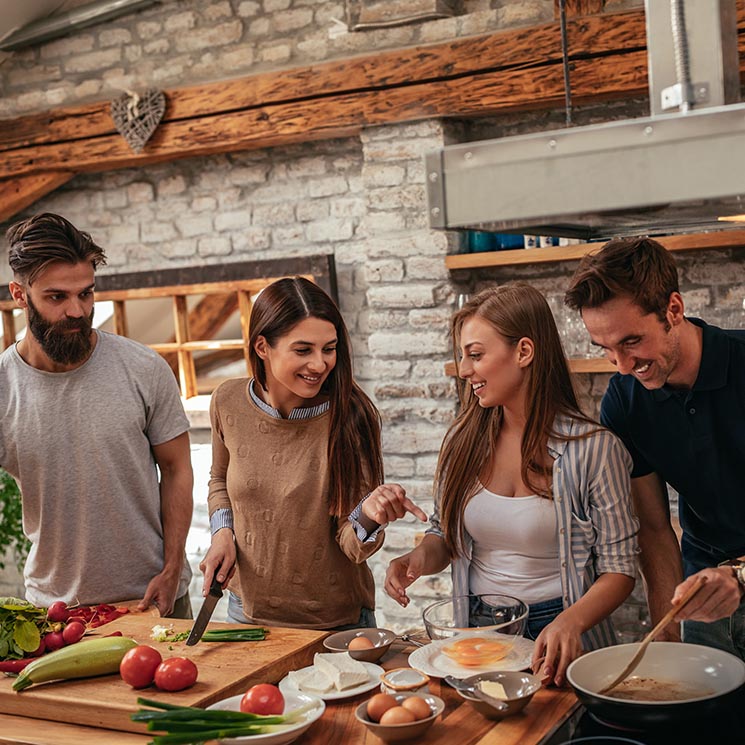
136	116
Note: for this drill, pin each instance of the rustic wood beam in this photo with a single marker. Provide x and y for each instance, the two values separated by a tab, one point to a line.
575	8
17	193
535	45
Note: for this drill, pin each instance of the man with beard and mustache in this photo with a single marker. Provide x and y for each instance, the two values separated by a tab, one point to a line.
95	433
678	404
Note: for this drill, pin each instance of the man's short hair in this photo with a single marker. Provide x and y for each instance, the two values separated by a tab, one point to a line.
45	238
638	268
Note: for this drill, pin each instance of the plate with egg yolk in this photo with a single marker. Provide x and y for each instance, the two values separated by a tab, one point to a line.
468	654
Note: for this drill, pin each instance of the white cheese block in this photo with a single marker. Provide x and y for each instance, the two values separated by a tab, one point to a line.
342	669
493	688
311	680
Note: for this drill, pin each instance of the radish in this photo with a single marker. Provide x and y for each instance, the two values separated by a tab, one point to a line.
57	611
73	632
54	640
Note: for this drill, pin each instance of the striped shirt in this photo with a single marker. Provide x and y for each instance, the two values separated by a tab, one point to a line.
591	489
223	518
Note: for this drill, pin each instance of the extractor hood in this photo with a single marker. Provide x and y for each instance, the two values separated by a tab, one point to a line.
666	173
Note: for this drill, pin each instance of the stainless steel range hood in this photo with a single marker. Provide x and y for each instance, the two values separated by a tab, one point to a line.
666	173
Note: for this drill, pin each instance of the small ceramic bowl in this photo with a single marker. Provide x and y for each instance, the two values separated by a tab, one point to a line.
381	639
403	680
519	687
402	732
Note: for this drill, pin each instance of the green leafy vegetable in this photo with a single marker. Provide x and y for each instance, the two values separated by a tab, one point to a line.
21	626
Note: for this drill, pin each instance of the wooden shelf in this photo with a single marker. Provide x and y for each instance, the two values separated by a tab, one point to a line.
576	365
693	242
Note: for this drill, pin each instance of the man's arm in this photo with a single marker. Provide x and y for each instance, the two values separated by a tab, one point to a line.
176	503
661	563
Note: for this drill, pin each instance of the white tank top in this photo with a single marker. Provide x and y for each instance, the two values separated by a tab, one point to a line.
515	546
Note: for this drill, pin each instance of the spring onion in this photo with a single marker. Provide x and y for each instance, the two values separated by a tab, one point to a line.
188	725
256	634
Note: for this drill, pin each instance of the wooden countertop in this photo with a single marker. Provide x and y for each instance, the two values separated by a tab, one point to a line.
460	723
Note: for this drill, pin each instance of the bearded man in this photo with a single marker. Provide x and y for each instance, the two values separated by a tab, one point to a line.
93	429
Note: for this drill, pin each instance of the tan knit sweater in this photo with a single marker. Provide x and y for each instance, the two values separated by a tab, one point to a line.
296	565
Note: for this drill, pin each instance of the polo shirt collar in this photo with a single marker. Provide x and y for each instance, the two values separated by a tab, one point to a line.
712	372
299	412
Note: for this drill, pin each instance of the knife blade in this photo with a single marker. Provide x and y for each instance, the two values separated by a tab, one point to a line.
205	613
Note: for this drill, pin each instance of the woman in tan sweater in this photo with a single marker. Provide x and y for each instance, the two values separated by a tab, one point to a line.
296	495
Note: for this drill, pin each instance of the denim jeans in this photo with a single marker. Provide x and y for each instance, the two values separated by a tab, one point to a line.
236	615
727	634
540	615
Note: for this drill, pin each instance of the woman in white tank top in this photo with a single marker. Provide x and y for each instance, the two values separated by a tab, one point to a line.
532	498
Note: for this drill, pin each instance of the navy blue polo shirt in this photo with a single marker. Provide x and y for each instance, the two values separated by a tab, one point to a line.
695	440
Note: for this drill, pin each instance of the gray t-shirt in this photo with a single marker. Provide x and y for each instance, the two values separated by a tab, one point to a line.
79	444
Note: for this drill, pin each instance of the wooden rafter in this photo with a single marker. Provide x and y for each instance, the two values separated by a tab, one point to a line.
579	7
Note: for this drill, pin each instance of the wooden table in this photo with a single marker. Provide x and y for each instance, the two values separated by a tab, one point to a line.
460	724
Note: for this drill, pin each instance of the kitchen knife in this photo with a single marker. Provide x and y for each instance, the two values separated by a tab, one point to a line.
205	613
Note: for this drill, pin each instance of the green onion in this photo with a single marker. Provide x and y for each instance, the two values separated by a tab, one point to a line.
222	635
190	725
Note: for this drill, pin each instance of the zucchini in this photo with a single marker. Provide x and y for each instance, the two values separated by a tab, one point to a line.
85	659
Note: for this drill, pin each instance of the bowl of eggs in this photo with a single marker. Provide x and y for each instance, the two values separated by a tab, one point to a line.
401	716
365	645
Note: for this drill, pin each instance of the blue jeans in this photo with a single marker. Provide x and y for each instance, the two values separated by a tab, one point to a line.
540	615
727	634
236	615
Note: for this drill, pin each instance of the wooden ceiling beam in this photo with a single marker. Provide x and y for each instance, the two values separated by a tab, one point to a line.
527	46
17	193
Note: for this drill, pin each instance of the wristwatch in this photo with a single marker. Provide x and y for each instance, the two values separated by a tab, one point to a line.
738	570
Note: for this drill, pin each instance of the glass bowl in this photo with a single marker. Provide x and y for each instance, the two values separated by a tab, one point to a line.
486	627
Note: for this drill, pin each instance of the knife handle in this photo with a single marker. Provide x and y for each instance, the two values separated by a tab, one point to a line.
216	587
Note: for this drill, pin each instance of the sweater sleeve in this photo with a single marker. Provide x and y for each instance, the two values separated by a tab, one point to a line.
218	492
356	550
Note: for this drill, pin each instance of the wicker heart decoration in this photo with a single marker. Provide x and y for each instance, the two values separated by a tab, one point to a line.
137	116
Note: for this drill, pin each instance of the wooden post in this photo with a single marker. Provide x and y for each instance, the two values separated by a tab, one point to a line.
187	372
120	318
244	308
9	329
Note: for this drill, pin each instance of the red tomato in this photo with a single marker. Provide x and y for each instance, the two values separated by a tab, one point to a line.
263	698
138	666
175	674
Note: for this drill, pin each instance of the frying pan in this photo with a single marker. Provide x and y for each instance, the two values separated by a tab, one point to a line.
716	676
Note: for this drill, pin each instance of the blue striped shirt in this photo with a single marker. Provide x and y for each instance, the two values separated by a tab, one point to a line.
223	518
591	489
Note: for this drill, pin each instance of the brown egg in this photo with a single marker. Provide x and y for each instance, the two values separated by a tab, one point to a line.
417	706
397	715
378	705
360	642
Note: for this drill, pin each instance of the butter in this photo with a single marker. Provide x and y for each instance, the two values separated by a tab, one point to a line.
493	689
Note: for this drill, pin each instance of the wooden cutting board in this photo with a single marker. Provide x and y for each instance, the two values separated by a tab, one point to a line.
225	669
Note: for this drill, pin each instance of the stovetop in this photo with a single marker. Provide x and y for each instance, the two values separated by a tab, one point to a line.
727	728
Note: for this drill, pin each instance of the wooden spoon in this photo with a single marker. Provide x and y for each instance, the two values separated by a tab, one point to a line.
664	621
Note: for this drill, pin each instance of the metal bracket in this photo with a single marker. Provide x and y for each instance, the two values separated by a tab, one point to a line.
672	97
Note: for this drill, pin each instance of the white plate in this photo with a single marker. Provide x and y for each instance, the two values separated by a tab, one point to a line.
373	671
293	700
430	659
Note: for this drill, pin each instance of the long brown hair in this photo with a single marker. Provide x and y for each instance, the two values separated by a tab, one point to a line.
355	460
515	311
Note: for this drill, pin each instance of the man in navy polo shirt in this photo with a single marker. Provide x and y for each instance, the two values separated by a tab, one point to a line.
678	404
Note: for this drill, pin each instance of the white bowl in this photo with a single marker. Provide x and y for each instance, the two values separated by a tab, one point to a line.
293	700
